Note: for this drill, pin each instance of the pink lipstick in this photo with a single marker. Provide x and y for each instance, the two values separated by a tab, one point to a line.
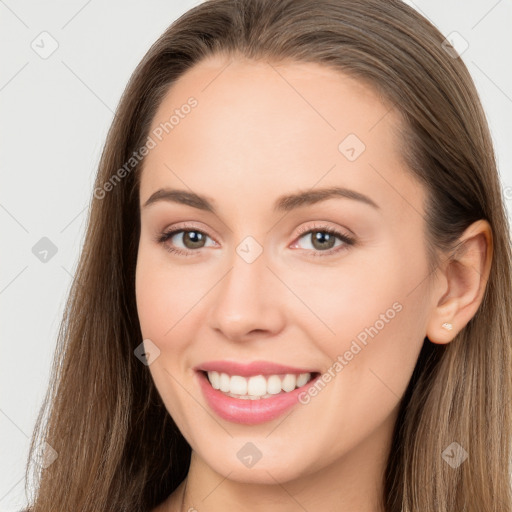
252	393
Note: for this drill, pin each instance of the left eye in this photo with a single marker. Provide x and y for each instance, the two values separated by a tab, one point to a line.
324	239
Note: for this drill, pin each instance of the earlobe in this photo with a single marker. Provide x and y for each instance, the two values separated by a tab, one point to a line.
442	333
465	277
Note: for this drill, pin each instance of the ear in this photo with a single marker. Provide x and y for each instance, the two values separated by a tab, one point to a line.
463	278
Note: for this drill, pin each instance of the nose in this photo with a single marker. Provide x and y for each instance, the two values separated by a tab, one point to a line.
248	302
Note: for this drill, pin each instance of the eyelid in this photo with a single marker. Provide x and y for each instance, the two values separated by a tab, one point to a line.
325	225
185	226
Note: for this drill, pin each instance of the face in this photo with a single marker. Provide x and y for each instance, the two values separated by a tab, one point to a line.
250	274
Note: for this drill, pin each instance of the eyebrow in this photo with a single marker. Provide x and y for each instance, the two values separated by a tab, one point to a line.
283	203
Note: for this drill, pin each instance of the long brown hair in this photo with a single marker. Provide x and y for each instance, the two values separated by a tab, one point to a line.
118	448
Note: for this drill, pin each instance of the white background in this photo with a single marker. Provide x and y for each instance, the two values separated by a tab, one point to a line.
55	113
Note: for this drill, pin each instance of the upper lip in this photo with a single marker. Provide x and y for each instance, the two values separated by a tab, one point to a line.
248	369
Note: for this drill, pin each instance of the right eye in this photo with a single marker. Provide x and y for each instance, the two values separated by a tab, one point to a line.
191	240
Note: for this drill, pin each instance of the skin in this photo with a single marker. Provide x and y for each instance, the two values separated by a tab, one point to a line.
259	131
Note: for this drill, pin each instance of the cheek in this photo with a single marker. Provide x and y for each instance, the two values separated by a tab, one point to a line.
377	330
364	289
152	301
374	320
162	298
164	293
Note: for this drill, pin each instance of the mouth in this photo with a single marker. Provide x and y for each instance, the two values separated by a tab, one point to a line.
257	387
253	399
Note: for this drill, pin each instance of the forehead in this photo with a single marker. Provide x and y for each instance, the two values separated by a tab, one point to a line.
243	96
259	124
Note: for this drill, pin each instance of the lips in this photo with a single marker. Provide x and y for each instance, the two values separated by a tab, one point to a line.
239	409
250	369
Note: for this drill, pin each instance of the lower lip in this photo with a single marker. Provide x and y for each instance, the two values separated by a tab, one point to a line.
247	411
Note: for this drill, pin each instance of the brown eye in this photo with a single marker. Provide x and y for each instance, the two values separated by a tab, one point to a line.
193	239
322	240
183	241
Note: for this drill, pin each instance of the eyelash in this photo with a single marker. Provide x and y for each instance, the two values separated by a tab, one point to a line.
346	239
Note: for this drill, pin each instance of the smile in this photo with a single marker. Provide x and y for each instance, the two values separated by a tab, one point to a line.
253	397
258	386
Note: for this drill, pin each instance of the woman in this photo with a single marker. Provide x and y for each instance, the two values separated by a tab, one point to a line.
294	292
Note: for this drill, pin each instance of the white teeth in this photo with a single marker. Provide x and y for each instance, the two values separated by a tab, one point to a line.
274	384
224	382
238	385
214	379
257	386
302	379
289	382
